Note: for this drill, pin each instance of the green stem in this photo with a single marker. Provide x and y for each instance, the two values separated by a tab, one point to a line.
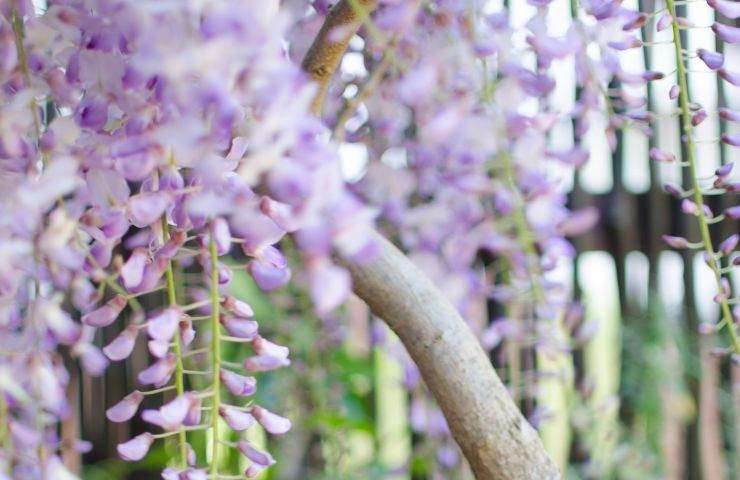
7	441
17	23
524	234
179	379
683	100
215	357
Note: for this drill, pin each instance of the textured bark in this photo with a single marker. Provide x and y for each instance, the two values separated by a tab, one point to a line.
326	52
495	438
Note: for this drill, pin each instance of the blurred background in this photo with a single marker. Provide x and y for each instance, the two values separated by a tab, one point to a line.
643	395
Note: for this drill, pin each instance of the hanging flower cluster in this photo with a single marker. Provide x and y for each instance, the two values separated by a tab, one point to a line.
462	165
717	256
139	138
133	135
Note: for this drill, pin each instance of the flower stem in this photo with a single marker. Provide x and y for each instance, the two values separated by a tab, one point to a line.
179	377
158	390
215	356
17	23
684	102
192	428
524	235
7	441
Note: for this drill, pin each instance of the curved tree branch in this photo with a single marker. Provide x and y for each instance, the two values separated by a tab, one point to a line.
494	436
496	439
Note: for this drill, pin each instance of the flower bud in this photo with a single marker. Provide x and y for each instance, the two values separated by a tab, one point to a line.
673	189
729	115
146	208
729	76
221	235
726	33
733	212
239	385
162	326
272	422
724	170
239	327
254	454
264	363
136	448
689	207
92	359
237	307
132	272
731	139
676	242
698	117
107	314
237	420
266	347
253	470
674	92
268	277
124	410
706	328
659	155
122	346
664	22
729	244
726	8
158	348
187	332
158	373
713	60
171	415
651	75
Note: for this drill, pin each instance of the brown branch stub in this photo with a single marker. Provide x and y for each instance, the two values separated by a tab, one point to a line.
323	58
495	438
